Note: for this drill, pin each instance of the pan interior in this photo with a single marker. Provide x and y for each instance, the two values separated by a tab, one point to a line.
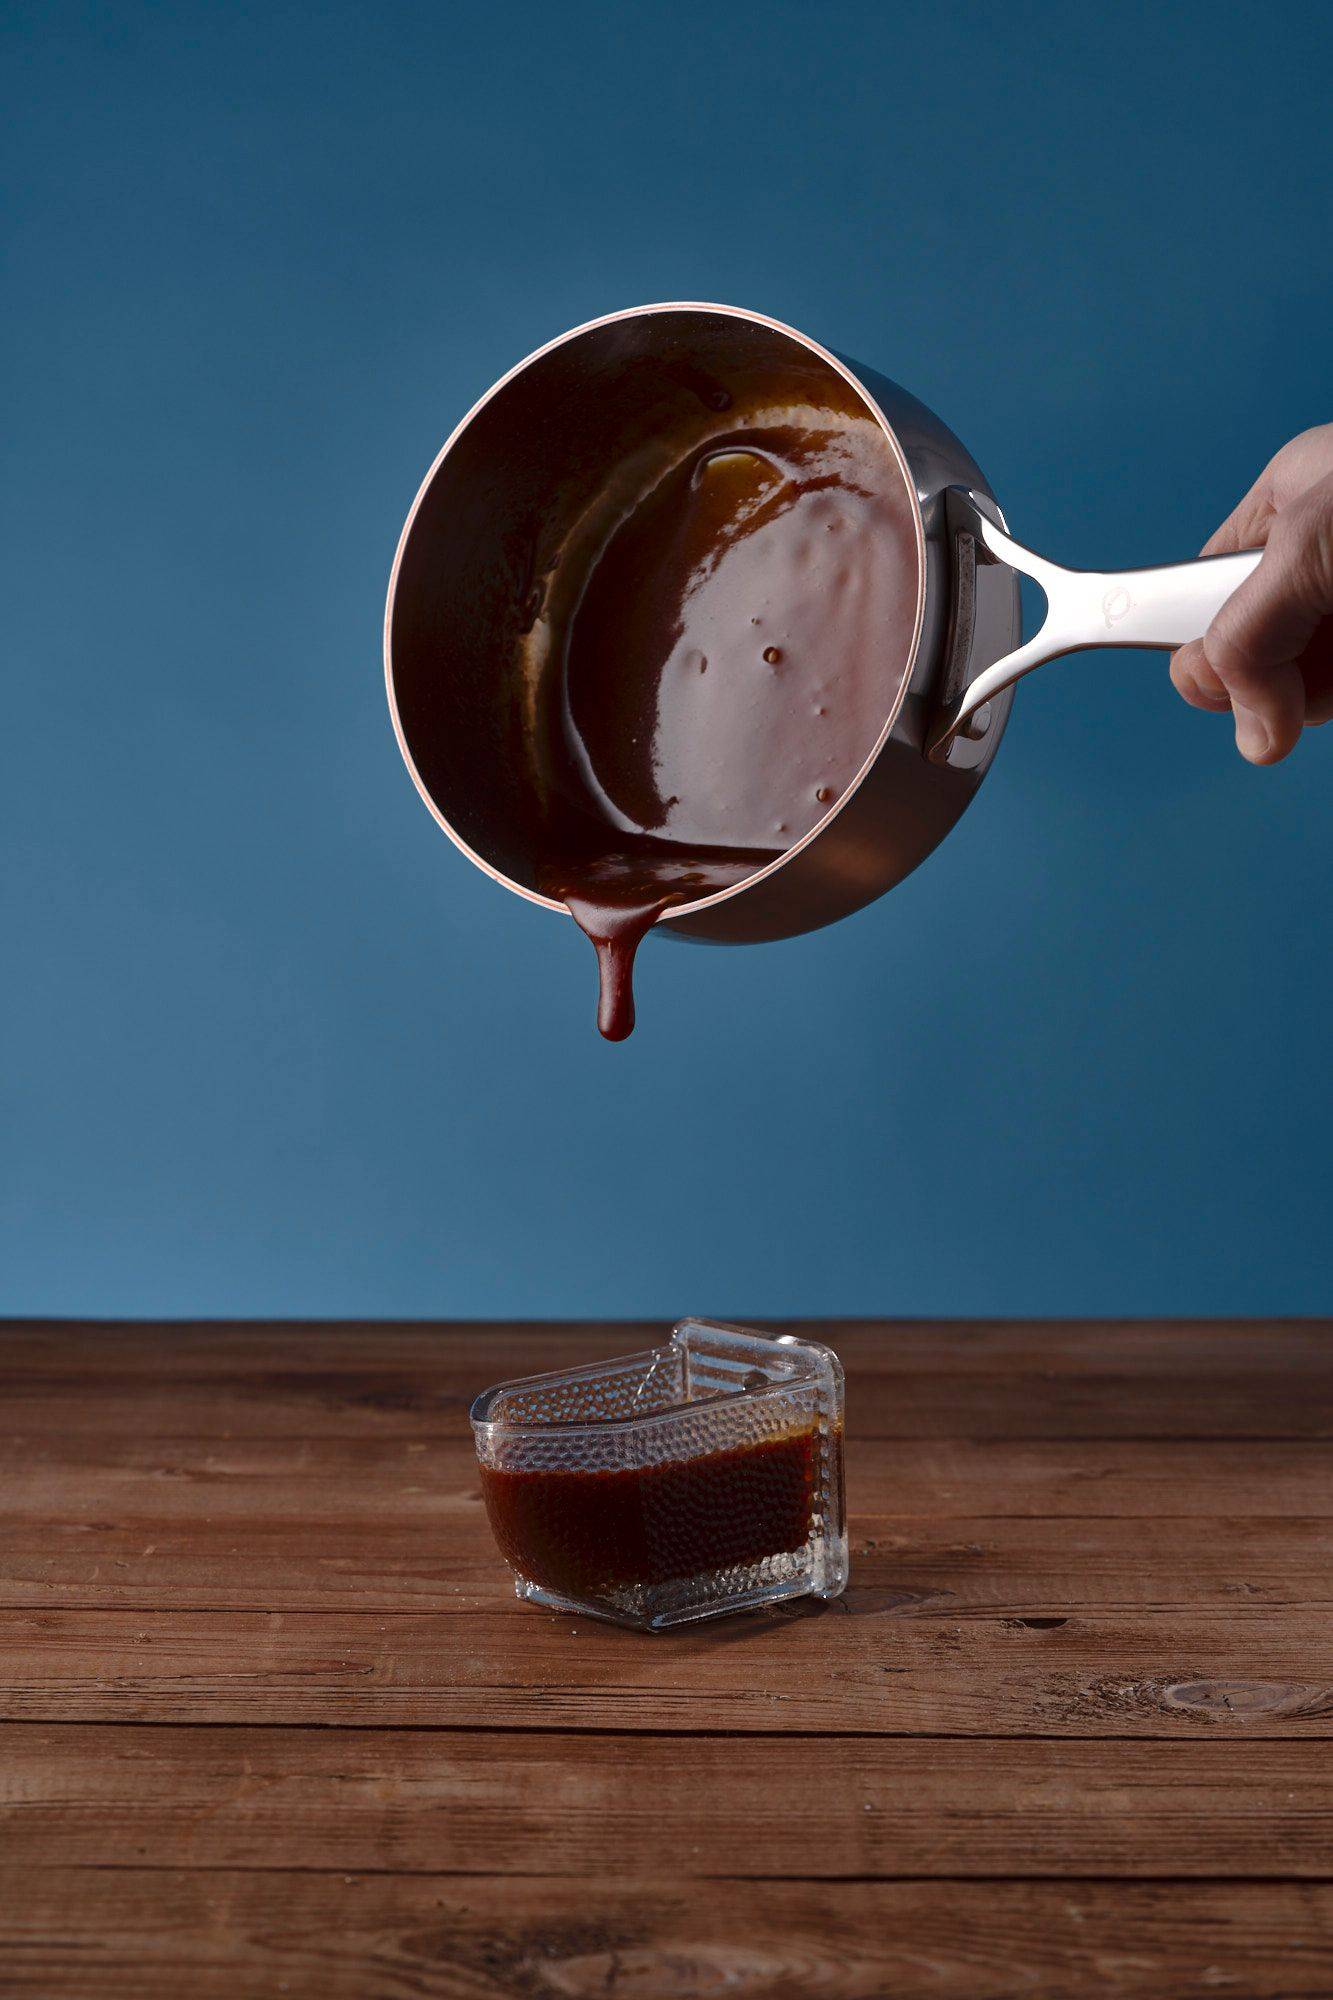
660	594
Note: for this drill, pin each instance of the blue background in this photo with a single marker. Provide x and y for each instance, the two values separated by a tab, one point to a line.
270	1045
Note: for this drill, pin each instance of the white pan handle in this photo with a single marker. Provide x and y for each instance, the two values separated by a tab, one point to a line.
1163	606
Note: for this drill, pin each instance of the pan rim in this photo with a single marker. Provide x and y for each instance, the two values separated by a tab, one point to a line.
849	375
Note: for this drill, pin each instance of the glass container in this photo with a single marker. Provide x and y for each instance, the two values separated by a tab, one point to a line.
693	1479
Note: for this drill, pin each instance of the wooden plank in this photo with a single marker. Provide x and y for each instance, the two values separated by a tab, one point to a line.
337	1480
975	1567
190	1349
911	1380
900	1672
130	1934
662	1807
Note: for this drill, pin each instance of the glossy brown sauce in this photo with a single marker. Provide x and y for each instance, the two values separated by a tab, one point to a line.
583	1534
726	669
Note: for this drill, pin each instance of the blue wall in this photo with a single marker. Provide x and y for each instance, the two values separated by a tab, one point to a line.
270	1045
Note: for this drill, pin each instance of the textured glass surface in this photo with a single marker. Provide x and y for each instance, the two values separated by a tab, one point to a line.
693	1479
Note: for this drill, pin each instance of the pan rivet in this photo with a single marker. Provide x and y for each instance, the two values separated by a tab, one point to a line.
976	725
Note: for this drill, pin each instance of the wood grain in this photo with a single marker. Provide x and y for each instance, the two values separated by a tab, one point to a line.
685	1806
976	1568
231	1935
932	1380
890	1671
433	1481
895	1673
334	1524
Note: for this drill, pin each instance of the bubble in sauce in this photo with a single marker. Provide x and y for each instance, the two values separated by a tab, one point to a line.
773	654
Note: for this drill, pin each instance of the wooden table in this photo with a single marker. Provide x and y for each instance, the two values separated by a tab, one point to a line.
275	1725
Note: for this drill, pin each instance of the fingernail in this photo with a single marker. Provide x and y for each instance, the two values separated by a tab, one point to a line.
1252	737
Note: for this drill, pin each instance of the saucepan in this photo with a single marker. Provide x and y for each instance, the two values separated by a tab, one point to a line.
464	631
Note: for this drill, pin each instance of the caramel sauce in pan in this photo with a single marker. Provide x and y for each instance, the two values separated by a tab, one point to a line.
583	1534
725	671
615	899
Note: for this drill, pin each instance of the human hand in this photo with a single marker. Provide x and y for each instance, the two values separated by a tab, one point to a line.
1268	654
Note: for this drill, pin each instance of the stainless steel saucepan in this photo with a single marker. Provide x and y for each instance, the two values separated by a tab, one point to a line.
461	633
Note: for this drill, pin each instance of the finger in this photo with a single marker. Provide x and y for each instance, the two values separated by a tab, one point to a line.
1255	641
1269	722
1195	681
1276	612
1248	528
1248	525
